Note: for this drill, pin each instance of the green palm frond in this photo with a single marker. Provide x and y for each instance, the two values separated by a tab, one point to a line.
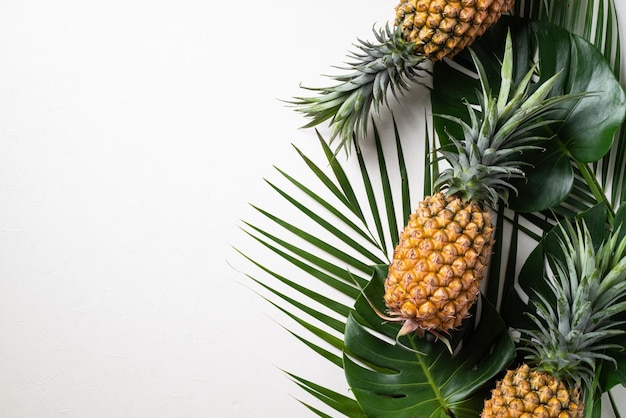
336	228
355	225
340	403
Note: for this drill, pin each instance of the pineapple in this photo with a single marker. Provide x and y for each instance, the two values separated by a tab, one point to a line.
589	288
438	265
424	31
443	28
526	392
443	252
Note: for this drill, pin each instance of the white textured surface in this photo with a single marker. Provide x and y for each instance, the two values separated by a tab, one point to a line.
132	136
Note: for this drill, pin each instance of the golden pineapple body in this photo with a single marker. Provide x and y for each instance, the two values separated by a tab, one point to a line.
440	28
439	263
528	393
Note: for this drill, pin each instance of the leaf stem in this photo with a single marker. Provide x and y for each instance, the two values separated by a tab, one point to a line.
431	381
596	189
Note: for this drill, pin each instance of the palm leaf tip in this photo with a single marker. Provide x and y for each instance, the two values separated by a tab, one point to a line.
386	64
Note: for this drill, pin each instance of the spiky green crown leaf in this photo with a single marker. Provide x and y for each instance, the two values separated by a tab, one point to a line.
386	64
483	162
589	289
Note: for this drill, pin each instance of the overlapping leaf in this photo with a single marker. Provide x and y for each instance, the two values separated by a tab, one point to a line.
531	280
425	380
333	202
337	217
584	135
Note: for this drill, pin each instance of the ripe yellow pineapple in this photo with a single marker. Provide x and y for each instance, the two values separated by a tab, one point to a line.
528	393
444	250
423	31
569	338
443	28
438	265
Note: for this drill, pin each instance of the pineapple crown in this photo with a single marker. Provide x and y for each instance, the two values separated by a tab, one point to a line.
388	63
589	289
483	162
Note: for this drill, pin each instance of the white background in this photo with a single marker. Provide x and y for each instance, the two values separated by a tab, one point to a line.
133	134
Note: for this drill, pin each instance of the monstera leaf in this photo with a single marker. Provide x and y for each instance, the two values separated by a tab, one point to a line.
337	224
583	134
421	379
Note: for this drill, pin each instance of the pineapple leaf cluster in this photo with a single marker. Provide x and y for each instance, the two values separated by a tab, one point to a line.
482	161
423	31
584	135
386	64
588	287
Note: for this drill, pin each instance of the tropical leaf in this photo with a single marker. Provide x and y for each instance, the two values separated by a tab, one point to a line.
531	281
336	253
595	21
351	222
340	403
583	136
421	379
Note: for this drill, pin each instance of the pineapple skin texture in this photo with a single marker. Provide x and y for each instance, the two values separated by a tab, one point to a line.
438	264
443	28
528	393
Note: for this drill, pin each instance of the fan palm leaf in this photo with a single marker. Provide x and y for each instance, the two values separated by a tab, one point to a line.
337	212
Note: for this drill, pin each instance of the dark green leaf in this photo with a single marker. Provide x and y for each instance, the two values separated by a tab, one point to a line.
550	183
392	222
337	401
400	382
584	134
